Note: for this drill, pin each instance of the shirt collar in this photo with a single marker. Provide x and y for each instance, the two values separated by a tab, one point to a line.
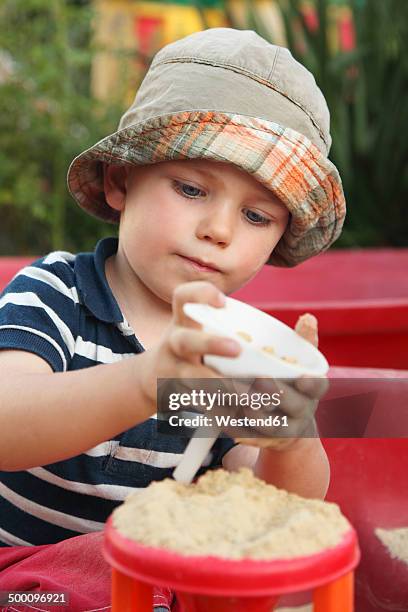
93	287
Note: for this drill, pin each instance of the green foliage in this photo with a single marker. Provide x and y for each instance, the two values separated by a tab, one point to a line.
47	117
365	89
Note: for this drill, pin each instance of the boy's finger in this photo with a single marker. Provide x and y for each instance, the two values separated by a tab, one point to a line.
294	403
203	292
306	327
186	343
266	442
314	388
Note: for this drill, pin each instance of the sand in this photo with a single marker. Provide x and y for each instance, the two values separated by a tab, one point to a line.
396	541
231	515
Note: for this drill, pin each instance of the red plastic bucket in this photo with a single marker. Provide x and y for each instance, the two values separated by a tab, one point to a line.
212	584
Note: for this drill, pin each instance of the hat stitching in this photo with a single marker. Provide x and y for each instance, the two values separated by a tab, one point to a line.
255	77
275	60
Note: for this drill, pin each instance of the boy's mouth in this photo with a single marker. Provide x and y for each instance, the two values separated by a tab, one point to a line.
203	266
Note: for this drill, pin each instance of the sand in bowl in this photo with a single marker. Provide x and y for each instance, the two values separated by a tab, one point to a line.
232	515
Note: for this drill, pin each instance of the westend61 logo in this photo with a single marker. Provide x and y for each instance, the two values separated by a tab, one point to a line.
205	400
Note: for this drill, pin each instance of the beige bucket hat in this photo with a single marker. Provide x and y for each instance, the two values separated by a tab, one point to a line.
229	95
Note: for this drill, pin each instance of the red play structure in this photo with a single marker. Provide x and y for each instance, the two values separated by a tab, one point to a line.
360	298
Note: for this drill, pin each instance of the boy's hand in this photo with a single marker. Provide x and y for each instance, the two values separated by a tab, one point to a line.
299	400
180	352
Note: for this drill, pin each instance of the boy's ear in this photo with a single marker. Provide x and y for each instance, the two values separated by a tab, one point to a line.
115	185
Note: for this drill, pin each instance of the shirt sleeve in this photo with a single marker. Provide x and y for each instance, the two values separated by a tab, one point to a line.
39	310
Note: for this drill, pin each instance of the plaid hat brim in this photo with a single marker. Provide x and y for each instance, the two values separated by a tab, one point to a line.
280	158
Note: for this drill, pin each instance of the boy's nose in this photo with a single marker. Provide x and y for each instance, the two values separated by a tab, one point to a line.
217	225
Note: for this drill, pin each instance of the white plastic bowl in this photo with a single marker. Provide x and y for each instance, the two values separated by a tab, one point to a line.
265	331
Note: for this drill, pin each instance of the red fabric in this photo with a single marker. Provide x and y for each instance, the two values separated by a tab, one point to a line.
75	566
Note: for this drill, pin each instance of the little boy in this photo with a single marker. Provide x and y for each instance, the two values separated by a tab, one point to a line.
219	167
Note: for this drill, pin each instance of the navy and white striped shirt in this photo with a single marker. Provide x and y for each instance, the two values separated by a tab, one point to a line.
62	309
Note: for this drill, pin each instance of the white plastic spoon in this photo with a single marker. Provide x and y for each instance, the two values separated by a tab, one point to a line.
195	453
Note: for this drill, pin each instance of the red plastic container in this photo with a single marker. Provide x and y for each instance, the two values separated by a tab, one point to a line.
211	584
369	480
360	298
9	266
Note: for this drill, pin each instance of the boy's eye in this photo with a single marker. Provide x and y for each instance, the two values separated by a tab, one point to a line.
257	219
186	190
193	193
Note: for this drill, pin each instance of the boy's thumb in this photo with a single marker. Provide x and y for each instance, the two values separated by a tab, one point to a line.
306	327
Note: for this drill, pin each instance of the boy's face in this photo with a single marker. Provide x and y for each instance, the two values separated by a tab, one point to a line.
174	212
